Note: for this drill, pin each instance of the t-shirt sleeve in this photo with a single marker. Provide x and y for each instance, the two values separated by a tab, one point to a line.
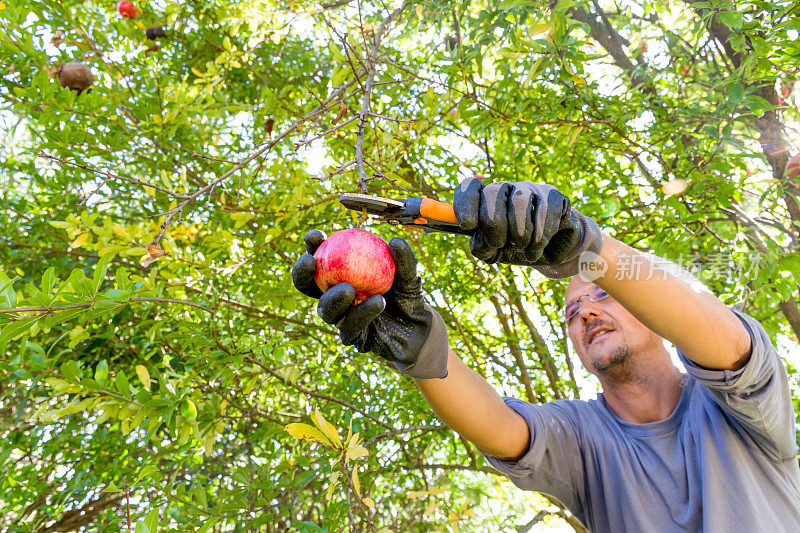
757	395
553	464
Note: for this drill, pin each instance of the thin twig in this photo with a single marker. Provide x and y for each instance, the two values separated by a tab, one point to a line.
392	119
365	104
108	175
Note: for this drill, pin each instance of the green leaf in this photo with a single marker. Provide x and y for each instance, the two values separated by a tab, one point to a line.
188	409
737	92
70	370
8	296
340	75
336	53
208	525
200	496
732	19
536	69
112	488
146	471
101	372
152	521
10	331
121	383
48	280
611	207
508	5
100	271
241	219
141	527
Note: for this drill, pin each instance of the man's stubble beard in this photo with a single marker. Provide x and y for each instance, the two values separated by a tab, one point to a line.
618	368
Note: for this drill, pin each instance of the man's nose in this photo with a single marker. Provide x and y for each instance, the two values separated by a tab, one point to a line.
589	309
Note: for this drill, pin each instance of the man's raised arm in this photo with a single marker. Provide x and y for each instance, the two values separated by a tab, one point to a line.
473	409
674	305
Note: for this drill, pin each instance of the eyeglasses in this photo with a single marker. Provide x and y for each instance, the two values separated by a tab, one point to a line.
595	294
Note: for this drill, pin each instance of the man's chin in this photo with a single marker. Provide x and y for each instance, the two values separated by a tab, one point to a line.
614	363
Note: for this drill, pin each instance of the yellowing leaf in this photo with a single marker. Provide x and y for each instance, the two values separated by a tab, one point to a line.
329	492
573	136
334	480
121	231
431	508
306	432
356	482
144	376
327	429
368	502
541	28
2	6
422	493
198	73
355	452
59	224
82	238
419	10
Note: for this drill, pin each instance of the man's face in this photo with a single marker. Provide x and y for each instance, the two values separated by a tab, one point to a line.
606	337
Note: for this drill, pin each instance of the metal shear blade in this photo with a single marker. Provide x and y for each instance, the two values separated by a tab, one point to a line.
374	205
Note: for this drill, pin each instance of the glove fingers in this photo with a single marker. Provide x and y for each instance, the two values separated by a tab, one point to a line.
359	317
520	217
467	202
480	249
405	264
493	217
335	302
566	239
313	238
548	210
557	208
303	273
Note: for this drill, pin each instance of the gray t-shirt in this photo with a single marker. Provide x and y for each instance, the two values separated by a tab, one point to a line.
724	461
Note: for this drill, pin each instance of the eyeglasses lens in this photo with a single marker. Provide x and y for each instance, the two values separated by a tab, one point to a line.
572	308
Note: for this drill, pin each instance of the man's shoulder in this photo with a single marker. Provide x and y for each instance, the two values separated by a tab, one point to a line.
578	412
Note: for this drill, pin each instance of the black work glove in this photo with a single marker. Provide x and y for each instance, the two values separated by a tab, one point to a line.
525	223
398	326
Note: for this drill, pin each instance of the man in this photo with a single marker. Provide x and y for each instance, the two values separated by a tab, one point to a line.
713	449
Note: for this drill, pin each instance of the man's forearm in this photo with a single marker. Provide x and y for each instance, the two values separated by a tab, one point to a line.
674	306
472	408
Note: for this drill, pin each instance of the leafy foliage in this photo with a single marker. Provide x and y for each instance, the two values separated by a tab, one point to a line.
158	371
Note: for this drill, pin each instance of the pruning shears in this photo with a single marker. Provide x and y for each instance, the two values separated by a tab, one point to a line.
422	213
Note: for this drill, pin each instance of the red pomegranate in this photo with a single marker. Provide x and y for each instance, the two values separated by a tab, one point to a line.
127	9
357	257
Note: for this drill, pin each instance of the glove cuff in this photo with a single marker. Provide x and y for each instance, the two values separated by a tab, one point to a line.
591	241
432	360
